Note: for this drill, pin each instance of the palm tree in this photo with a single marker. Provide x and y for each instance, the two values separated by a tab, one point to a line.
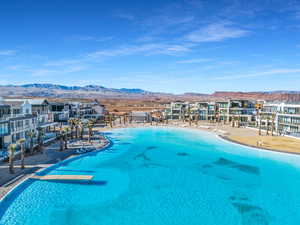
196	118
61	140
268	119
189	115
11	149
21	142
110	120
81	125
130	118
65	136
272	124
238	122
41	135
90	126
259	126
72	123
124	119
232	121
31	134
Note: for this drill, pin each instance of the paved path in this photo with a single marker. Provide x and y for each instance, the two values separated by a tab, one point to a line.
33	163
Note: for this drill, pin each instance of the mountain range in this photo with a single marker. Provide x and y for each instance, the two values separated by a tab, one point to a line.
97	91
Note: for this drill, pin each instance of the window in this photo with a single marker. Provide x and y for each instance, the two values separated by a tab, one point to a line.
3	128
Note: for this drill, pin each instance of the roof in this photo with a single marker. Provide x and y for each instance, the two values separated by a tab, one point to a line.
57	103
14	103
20	101
22	117
4	105
137	113
37	101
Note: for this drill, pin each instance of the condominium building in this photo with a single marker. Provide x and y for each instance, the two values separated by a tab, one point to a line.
60	111
288	119
21	121
4	123
241	110
204	110
87	110
140	117
177	110
222	111
20	116
37	107
226	111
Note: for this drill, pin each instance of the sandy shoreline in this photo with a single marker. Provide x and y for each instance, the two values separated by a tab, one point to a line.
243	136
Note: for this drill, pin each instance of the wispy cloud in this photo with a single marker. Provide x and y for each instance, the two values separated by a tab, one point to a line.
90	38
124	15
44	72
216	32
41	72
259	74
63	62
170	19
7	52
194	61
15	67
146	49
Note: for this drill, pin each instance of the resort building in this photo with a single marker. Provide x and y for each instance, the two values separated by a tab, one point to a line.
177	110
288	119
37	107
267	115
99	110
4	124
19	117
283	117
30	115
60	111
222	111
203	110
87	110
242	111
21	121
140	117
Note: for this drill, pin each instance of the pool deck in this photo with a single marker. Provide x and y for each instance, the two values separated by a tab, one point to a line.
35	163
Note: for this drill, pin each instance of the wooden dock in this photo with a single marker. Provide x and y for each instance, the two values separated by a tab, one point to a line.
63	177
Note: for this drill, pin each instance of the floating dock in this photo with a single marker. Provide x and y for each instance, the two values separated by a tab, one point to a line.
63	177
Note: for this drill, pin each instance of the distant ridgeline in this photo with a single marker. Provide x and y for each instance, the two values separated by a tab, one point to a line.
96	91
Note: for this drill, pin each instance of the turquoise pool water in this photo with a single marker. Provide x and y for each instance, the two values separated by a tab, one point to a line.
164	176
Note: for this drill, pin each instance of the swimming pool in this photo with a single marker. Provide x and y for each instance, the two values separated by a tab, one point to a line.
164	176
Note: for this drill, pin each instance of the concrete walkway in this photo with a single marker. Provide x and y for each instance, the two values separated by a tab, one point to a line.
34	163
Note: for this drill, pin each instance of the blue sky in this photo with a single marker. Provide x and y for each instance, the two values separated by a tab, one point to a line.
159	45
